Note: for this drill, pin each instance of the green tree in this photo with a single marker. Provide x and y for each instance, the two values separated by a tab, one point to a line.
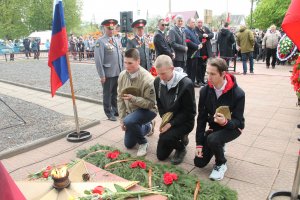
268	12
19	18
152	23
12	17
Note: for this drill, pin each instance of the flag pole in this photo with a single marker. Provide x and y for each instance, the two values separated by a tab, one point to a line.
77	136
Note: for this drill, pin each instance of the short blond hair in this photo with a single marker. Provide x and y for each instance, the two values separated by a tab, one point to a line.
163	61
273	26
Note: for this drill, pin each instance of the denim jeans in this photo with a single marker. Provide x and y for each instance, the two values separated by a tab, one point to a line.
137	126
245	57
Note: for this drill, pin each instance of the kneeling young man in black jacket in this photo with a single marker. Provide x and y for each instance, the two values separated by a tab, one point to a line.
221	90
174	94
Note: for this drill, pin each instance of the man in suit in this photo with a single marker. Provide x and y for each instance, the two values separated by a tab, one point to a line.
162	46
205	35
178	43
109	64
141	43
194	47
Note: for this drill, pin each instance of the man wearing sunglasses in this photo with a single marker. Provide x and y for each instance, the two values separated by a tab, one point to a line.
162	47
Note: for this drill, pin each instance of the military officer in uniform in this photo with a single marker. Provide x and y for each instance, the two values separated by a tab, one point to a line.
141	42
109	64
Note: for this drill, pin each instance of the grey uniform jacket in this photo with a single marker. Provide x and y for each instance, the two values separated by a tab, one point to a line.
178	43
143	49
108	57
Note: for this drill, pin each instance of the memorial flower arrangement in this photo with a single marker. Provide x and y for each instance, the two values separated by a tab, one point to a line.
295	78
156	177
286	49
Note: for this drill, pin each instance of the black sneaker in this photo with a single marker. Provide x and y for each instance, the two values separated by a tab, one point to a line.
298	126
112	118
185	140
178	157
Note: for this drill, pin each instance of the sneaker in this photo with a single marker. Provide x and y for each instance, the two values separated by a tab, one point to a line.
178	157
218	172
112	118
142	149
185	140
152	126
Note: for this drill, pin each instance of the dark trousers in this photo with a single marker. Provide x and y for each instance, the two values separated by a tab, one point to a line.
110	96
201	70
170	140
179	64
191	66
27	52
137	126
245	57
213	146
271	53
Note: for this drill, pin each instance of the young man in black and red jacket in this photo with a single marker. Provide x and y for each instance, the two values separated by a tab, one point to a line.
221	90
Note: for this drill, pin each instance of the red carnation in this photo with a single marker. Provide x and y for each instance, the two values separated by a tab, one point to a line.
45	174
139	164
204	40
204	57
187	40
98	190
153	71
169	178
48	168
113	155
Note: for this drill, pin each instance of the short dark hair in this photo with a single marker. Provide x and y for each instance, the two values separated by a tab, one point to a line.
132	53
219	63
226	24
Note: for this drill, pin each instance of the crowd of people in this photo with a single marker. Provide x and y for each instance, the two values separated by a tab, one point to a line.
135	96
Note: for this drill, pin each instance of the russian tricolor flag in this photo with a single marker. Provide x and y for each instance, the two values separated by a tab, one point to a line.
58	48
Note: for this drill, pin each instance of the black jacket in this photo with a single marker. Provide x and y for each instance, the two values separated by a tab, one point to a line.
206	49
182	105
225	43
233	96
162	47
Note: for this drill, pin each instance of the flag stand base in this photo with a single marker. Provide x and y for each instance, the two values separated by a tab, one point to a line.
281	194
82	136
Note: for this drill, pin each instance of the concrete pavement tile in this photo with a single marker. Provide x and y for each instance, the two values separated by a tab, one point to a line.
294	136
257	121
286	118
258	114
186	166
252	173
271	144
288	163
248	191
288	102
284	181
291	112
253	127
19	174
263	157
246	139
115	135
236	150
292	148
275	133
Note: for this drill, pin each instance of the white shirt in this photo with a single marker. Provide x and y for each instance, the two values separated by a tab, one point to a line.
220	91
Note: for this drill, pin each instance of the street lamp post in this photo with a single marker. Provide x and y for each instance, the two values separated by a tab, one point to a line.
251	12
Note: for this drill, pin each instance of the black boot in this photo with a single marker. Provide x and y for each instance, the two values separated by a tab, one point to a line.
185	140
298	126
178	157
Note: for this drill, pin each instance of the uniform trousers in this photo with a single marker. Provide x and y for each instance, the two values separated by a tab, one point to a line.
110	96
213	146
191	66
181	64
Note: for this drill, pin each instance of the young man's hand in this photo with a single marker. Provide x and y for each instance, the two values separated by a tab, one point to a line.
219	119
198	152
127	97
165	128
123	127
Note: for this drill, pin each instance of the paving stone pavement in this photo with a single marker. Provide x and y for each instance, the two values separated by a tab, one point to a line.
262	160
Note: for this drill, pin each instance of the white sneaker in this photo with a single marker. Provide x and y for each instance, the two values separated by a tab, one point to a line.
218	172
152	126
142	149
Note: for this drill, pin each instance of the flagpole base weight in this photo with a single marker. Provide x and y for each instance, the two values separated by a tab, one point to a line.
82	136
281	194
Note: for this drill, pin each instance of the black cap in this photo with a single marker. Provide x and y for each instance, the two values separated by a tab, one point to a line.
110	23
139	23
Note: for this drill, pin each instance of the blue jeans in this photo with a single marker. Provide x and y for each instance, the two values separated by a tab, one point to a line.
245	57
137	126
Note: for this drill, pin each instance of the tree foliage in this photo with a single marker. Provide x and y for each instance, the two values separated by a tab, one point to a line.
268	12
20	18
152	23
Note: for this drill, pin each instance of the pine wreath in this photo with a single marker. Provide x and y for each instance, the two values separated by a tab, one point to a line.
286	49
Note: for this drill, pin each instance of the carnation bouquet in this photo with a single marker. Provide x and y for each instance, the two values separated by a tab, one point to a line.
286	49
